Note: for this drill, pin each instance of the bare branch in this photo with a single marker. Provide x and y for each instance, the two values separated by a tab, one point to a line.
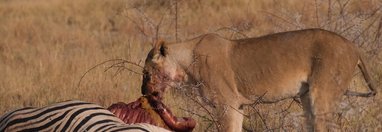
281	18
217	124
233	30
317	20
122	61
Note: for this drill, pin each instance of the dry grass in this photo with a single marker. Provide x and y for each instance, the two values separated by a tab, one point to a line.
47	45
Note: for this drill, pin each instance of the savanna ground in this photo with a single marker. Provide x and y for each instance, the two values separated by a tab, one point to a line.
46	46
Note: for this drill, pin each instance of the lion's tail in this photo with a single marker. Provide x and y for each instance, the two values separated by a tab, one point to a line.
370	84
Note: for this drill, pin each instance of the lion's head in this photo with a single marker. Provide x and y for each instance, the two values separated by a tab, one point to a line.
161	71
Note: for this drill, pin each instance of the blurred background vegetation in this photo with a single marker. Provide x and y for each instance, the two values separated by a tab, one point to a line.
46	46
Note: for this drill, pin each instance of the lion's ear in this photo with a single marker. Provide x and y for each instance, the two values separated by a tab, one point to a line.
161	48
159	51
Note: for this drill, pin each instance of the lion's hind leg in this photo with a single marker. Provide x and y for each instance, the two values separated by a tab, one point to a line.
323	100
327	83
318	109
307	107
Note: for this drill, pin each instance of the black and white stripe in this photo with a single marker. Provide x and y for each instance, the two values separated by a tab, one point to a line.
68	116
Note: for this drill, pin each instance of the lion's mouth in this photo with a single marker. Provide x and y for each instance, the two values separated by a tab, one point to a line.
155	90
156	84
156	96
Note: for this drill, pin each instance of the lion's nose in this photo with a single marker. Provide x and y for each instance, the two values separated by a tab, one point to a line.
144	88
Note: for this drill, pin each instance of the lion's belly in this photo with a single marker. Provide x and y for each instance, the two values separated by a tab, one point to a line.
276	71
273	87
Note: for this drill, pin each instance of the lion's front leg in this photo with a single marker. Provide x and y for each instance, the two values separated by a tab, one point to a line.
230	118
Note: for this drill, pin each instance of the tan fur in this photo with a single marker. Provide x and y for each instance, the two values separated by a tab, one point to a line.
315	65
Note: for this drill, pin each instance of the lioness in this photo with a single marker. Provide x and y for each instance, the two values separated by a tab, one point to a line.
314	65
